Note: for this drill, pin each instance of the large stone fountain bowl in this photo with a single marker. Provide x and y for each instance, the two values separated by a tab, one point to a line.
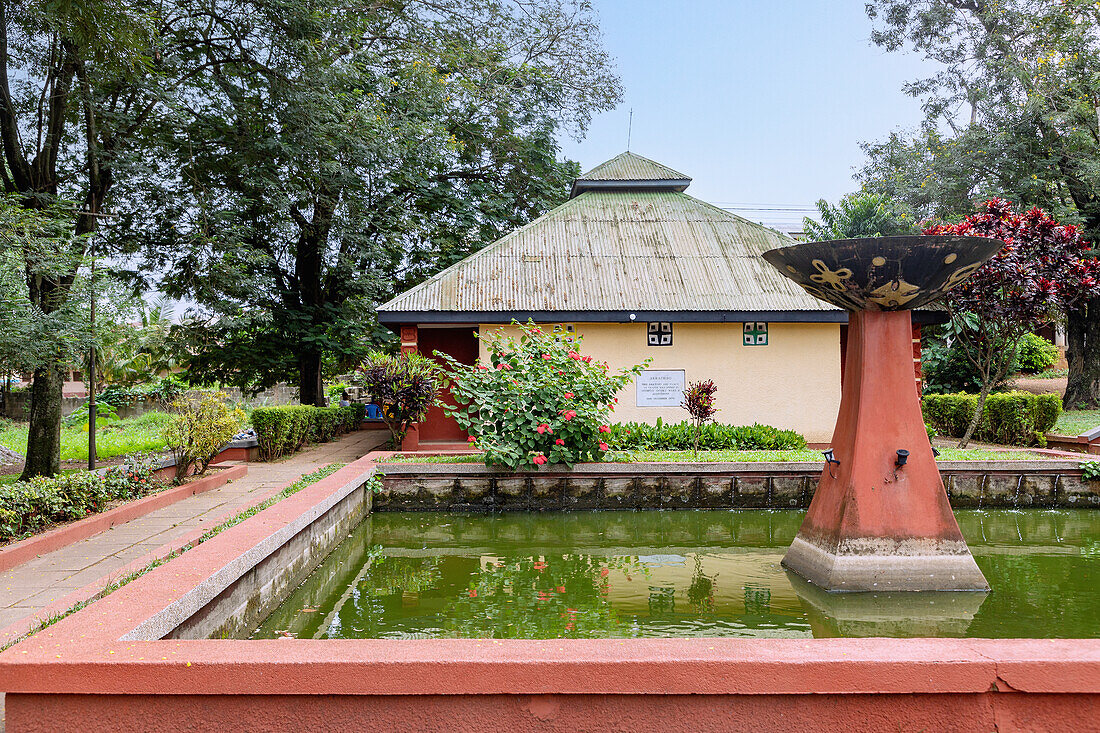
883	273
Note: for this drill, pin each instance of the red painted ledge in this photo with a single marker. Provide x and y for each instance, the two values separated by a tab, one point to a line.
54	539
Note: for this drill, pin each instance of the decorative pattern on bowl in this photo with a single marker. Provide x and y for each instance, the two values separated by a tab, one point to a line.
883	273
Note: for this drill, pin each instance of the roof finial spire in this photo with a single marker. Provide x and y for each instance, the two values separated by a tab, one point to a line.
629	127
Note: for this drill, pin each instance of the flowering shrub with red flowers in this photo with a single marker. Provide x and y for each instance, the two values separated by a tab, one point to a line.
539	400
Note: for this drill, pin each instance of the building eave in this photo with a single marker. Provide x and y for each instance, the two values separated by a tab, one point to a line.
393	319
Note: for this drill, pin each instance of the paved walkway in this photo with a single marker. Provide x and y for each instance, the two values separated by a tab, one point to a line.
28	588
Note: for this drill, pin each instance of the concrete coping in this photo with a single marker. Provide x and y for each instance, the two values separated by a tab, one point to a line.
708	467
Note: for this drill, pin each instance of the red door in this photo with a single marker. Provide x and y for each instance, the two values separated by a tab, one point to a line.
461	344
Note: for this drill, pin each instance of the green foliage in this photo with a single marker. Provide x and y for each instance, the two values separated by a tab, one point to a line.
713	436
121	437
335	391
403	386
860	214
1036	353
537	401
27	507
1009	418
945	368
283	430
199	429
364	149
1090	470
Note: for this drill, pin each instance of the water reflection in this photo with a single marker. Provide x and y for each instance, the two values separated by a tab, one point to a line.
638	574
937	613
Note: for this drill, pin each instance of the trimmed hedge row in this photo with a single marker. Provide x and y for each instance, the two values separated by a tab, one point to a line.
27	507
281	431
1009	418
714	436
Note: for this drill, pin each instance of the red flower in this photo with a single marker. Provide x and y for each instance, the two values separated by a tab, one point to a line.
547	357
473	593
587	360
540	565
603	446
503	366
605	429
482	367
569	414
559	441
561	589
539	459
471	439
568	395
544	428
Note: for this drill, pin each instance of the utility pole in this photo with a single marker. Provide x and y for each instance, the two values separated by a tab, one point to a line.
91	360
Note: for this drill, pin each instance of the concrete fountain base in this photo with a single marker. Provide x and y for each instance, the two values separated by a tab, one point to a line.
887	565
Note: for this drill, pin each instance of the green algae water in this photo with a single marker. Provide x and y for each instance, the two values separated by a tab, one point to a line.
674	574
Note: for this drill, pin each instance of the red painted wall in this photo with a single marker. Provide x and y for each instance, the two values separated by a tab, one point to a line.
1003	711
461	344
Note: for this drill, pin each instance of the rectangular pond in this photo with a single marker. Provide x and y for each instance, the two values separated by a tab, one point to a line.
674	574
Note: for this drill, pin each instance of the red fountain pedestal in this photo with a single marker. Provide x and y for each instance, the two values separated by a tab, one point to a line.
880	519
873	525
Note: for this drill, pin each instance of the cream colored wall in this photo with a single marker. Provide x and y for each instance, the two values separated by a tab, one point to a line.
793	382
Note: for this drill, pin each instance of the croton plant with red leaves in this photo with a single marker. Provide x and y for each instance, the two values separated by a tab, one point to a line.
1044	269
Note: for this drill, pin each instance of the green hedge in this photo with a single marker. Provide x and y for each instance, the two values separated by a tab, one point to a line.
1009	418
281	431
715	436
30	506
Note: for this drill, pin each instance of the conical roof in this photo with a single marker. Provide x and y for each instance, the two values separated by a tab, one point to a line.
630	172
630	245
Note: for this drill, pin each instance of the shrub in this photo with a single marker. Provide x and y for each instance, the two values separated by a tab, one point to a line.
1090	470
283	430
403	387
945	369
199	429
714	436
1035	354
27	507
1009	418
699	402
537	401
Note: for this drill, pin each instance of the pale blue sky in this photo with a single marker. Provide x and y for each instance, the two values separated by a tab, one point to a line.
759	102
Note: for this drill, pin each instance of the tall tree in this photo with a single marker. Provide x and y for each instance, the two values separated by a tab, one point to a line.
68	103
337	151
1013	111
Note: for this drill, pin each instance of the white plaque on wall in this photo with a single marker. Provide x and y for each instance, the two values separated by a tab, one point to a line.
660	388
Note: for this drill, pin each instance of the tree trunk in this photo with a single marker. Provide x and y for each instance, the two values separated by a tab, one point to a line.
310	391
44	433
1083	354
977	415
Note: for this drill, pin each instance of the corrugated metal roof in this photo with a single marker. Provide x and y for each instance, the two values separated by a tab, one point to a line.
630	166
611	251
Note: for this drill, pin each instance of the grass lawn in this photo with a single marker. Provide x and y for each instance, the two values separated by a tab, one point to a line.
733	456
117	438
1075	422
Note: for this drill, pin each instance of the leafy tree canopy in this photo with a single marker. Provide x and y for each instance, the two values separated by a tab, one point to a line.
860	214
335	153
1011	112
